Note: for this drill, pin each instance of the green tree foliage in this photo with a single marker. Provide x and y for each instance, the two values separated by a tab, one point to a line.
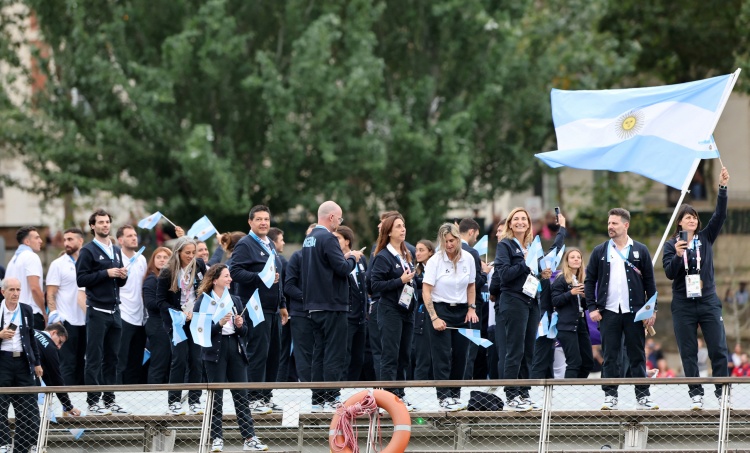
208	107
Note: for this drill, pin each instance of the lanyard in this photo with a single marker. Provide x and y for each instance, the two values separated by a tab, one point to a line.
627	263
697	249
22	248
72	259
523	249
108	250
271	252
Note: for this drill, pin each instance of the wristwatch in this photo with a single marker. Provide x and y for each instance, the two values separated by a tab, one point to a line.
474	306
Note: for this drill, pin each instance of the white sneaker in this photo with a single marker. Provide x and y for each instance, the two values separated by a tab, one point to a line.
409	407
610	403
197	409
176	409
645	403
117	409
254	444
96	409
697	403
533	404
518	404
461	405
217	445
450	405
274	407
6	448
330	408
259	407
731	406
316	408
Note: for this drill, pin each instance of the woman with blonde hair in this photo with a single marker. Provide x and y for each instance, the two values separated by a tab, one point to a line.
519	308
176	288
449	295
570	304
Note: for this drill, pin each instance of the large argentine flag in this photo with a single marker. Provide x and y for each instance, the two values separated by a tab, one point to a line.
657	132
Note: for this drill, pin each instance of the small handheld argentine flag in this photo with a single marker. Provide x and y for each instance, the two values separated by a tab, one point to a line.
255	310
647	310
535	252
552	331
268	274
481	245
474	335
223	306
200	328
550	260
150	221
202	229
178	322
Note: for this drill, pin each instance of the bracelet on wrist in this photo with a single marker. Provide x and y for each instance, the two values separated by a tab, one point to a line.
721	186
433	319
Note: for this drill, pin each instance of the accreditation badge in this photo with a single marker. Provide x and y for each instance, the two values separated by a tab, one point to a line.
531	286
407	294
693	285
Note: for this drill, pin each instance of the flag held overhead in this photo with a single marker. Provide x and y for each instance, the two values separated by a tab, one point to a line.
150	221
202	229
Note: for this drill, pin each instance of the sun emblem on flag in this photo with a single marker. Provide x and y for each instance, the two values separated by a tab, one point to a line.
200	329
629	124
255	307
647	307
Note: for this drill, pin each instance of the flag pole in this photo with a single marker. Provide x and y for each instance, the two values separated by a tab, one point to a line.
684	191
165	218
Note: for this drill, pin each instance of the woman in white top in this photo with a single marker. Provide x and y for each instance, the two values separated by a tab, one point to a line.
449	294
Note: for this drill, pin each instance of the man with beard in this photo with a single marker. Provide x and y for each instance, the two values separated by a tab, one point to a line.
67	305
100	270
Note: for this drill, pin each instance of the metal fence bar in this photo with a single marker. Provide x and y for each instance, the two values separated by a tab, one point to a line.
205	440
544	428
41	442
724	418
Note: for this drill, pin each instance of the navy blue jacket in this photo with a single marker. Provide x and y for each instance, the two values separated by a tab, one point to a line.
49	357
149	296
481	278
674	266
385	279
91	273
212	354
248	260
566	305
292	285
641	287
358	294
28	343
325	272
511	270
413	250
167	299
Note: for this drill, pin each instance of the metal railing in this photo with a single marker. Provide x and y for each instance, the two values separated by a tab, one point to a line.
569	418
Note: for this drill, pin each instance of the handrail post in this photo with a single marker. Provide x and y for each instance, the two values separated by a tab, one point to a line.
41	442
724	417
544	429
205	439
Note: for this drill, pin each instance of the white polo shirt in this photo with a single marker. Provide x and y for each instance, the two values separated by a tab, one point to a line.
131	294
62	273
618	298
449	282
26	264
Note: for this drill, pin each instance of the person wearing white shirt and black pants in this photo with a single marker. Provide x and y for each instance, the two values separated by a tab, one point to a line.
133	343
619	281
67	304
449	293
27	268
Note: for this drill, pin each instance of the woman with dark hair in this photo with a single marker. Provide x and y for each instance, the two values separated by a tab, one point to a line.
226	360
449	296
391	275
176	288
519	310
689	262
422	353
572	327
158	340
357	317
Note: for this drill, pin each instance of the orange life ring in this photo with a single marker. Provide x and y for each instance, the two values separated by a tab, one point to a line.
395	408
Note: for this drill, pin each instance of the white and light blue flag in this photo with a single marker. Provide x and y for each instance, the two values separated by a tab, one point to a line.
200	328
552	330
209	303
268	274
535	252
137	254
560	256
178	322
223	306
255	309
647	310
657	132
481	245
202	229
550	260
475	336
150	221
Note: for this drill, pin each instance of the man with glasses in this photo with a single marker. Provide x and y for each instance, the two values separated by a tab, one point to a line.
49	341
325	290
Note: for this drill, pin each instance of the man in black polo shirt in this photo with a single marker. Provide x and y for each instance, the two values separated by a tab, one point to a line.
101	271
325	292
